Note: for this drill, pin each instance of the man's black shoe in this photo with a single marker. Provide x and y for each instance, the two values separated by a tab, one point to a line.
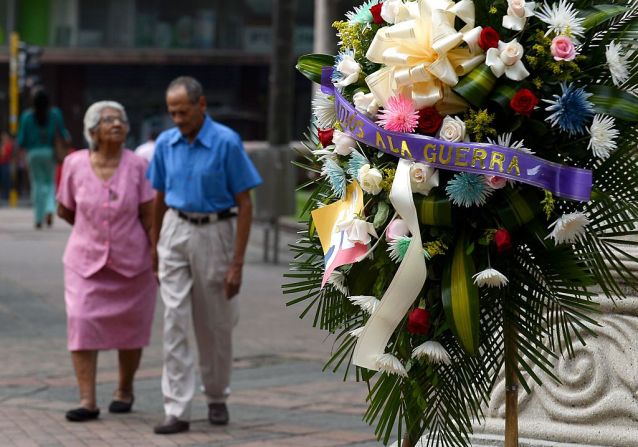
218	414
171	426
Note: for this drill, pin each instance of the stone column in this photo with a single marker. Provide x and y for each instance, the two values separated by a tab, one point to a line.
597	402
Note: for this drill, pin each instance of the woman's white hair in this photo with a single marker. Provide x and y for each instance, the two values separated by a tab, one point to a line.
93	115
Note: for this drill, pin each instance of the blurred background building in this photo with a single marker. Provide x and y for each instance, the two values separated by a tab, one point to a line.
128	50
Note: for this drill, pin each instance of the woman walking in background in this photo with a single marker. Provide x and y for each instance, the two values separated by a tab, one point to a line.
39	128
109	285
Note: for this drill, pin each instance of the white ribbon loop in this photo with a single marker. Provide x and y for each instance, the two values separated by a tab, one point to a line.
405	285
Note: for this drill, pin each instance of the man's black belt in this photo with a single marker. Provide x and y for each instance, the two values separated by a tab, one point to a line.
208	218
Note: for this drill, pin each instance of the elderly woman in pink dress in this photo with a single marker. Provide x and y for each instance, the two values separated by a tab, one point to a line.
110	289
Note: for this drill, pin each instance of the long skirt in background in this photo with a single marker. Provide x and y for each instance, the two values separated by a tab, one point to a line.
42	169
108	310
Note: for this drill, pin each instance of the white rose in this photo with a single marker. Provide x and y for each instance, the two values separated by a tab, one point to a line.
366	104
423	178
394	11
516	8
452	129
511	52
350	69
344	143
370	179
357	230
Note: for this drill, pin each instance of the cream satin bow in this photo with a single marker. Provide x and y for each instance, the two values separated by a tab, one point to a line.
422	55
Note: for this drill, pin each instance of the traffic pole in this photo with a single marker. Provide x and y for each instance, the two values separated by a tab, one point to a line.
14	97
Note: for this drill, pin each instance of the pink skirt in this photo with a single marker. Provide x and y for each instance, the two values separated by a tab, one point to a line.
108	310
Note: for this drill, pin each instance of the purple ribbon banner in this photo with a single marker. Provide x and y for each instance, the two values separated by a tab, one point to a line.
479	158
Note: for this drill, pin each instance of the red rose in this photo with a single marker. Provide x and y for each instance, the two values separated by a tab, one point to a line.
376	14
325	136
502	240
489	38
419	321
429	120
523	102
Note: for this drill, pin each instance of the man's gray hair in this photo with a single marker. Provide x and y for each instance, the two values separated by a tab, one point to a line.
193	88
93	115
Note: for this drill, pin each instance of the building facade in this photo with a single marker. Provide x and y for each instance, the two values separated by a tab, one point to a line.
128	51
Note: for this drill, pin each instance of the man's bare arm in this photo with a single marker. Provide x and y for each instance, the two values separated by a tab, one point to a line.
244	221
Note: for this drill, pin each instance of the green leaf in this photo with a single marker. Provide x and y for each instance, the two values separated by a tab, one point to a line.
614	102
460	296
310	65
476	85
600	14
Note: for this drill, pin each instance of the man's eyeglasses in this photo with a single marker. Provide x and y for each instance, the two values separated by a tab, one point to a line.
111	119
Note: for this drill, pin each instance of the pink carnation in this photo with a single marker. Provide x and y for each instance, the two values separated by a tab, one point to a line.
563	49
399	115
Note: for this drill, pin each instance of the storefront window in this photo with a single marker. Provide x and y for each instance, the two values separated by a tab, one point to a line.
243	25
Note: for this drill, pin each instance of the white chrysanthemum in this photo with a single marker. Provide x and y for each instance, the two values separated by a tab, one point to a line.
367	303
562	18
617	63
323	108
568	228
338	281
433	351
505	140
603	136
491	278
356	333
391	365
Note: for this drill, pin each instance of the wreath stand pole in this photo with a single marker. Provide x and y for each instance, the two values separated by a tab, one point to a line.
511	387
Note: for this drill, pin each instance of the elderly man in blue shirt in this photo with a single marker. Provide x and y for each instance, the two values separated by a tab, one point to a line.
202	174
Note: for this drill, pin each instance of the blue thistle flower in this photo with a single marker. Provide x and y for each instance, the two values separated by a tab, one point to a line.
356	162
572	110
336	176
361	14
468	190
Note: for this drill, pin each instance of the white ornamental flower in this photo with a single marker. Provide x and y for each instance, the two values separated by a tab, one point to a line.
561	18
617	63
433	351
491	278
517	13
423	178
338	281
452	129
357	230
390	364
323	108
344	143
506	59
366	104
356	333
603	136
505	140
394	11
370	179
568	228
350	69
366	303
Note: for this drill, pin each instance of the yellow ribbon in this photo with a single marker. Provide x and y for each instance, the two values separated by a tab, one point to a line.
423	55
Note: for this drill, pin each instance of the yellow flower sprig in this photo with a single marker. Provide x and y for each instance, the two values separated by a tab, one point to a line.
548	204
479	125
434	248
388	179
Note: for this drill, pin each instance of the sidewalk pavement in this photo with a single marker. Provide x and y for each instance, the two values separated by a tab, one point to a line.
280	395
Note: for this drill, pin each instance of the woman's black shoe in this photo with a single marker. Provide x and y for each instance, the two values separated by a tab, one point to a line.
82	414
119	406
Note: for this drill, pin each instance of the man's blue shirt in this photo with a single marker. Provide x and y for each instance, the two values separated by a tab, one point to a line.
205	176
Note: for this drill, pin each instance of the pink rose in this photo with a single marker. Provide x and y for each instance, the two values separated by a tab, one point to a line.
495	182
396	229
563	49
